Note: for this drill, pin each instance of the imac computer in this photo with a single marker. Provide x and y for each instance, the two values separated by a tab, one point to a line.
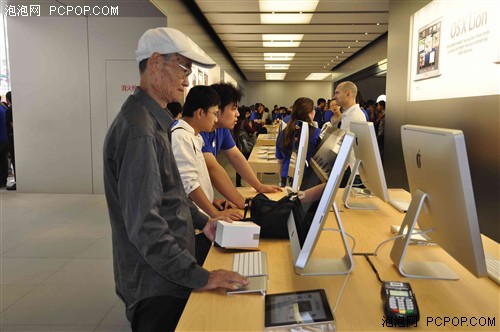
326	153
304	230
368	165
442	202
298	159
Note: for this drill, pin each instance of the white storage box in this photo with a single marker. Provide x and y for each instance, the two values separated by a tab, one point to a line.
238	234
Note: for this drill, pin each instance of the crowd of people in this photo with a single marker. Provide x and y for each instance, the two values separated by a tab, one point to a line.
161	169
328	114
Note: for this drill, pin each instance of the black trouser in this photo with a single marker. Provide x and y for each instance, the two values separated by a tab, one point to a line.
160	313
238	176
202	246
4	163
11	153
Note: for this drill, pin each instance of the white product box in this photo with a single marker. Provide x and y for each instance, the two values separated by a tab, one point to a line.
238	234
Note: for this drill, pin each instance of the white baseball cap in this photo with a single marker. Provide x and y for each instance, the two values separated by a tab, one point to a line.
168	40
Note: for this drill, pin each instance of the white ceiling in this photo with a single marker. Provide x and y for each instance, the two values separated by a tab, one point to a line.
337	30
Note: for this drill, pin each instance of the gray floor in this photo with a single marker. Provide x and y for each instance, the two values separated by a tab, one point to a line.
56	263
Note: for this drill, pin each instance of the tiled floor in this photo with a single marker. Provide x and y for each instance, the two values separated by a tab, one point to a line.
56	263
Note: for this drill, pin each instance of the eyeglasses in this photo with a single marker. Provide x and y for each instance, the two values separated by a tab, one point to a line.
187	71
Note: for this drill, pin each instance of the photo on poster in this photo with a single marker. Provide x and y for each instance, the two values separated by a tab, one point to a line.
428	50
193	79
200	77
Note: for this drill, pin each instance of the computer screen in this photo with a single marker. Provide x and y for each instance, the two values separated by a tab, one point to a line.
429	37
368	165
298	160
442	201
325	155
304	230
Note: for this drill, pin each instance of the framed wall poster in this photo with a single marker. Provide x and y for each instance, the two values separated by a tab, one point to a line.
200	77
206	78
193	79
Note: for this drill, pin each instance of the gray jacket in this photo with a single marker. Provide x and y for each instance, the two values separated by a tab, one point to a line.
152	219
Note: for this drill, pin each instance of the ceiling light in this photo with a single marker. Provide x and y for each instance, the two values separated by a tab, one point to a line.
317	76
275	76
282	40
276	66
276	7
285	18
288	6
278	56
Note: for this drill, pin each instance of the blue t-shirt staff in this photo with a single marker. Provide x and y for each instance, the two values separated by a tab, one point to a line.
302	110
221	140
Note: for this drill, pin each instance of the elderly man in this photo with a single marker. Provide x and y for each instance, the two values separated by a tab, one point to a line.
152	218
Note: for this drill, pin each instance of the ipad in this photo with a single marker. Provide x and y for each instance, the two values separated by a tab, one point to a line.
303	308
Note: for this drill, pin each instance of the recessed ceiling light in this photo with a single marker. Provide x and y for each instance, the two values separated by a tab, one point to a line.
317	76
275	76
281	40
278	56
294	11
276	66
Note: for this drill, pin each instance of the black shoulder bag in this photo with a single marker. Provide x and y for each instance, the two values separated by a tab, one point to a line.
272	216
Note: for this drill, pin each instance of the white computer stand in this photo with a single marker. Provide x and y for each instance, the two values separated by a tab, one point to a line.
348	189
330	266
416	269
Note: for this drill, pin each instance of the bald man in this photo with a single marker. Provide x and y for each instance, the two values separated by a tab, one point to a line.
345	96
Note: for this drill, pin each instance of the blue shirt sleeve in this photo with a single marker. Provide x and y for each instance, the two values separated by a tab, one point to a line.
313	143
282	156
220	139
227	140
253	116
328	116
208	142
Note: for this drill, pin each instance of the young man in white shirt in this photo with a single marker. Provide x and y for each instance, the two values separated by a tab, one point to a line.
200	113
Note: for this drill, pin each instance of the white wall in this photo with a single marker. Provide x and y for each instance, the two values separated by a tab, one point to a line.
112	45
50	87
61	92
477	117
284	93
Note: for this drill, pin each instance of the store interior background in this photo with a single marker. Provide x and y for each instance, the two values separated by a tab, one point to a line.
64	77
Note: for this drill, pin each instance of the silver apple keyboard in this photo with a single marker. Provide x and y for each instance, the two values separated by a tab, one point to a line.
493	268
250	264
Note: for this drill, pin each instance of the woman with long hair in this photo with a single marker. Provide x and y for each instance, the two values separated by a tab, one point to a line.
302	110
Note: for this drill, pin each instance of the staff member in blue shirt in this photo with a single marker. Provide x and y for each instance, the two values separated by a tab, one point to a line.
303	110
222	140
